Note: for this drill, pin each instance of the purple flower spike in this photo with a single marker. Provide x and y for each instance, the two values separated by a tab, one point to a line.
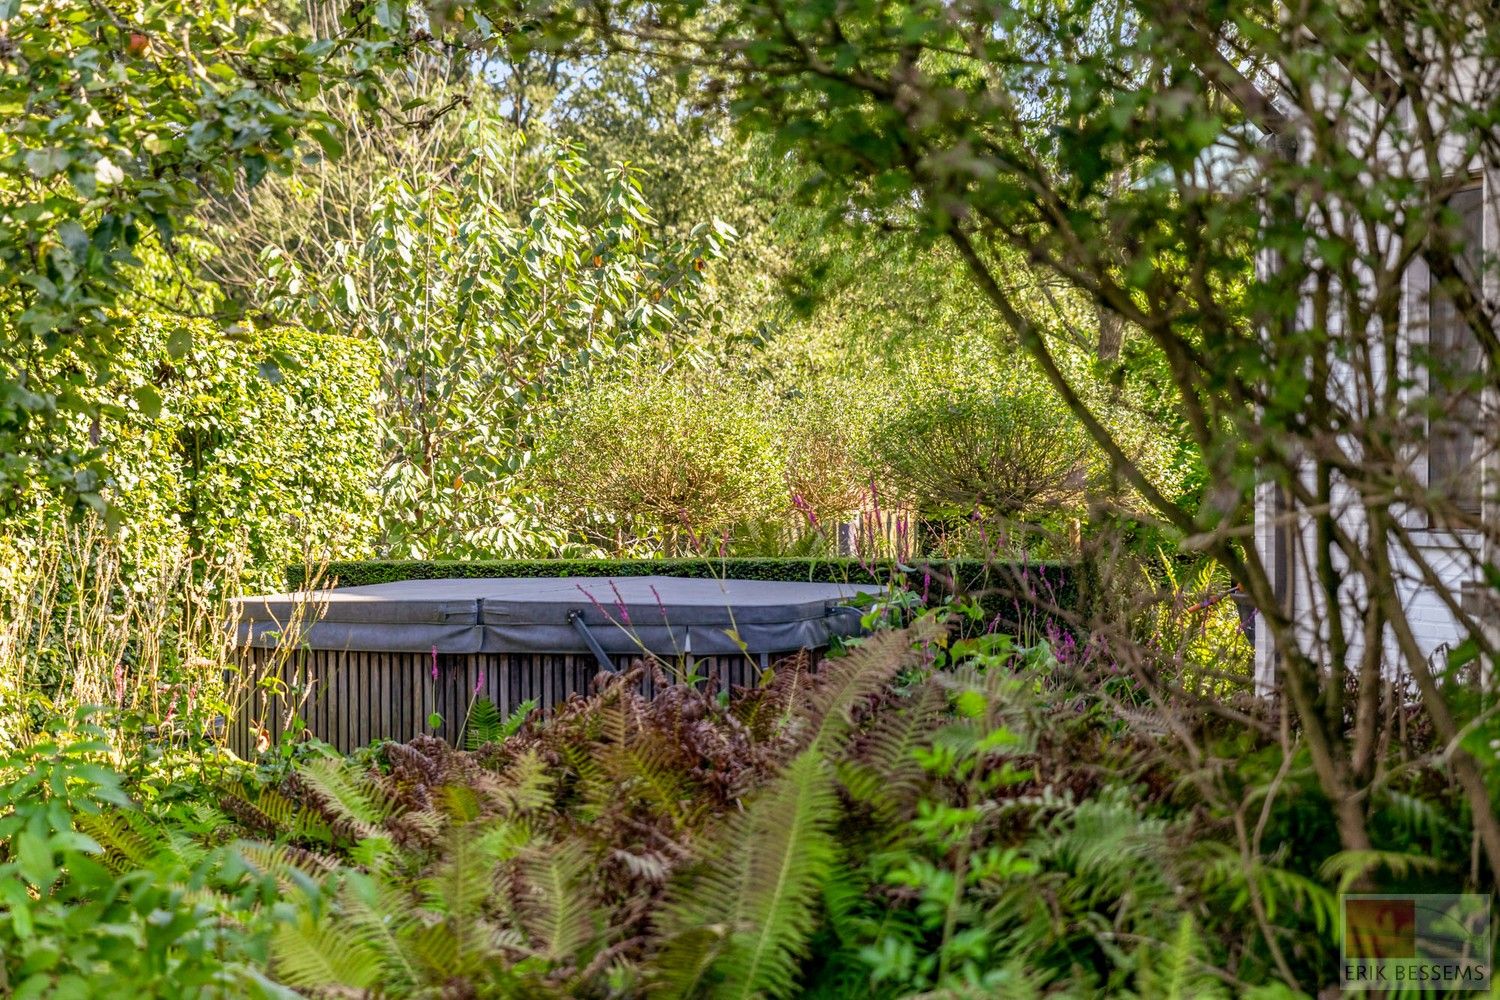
802	505
478	685
593	600
620	603
434	662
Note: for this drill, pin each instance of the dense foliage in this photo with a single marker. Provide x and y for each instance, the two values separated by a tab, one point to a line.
1021	309
924	813
666	456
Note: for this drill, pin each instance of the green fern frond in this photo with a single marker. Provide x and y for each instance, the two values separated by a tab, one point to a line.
291	867
348	793
315	955
1111	847
551	898
1176	969
128	840
648	767
486	725
277	815
1284	890
463	879
1418	816
1349	867
883	771
1221	867
378	911
482	725
849	681
740	924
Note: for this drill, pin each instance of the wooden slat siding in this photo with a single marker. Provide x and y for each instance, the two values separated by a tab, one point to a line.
508	679
336	713
357	698
495	683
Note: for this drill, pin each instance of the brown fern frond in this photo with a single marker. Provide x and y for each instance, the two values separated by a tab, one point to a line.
880	768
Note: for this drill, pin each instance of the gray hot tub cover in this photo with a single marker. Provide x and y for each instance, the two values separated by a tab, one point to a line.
667	616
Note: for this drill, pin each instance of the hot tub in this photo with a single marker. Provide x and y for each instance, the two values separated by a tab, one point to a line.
382	661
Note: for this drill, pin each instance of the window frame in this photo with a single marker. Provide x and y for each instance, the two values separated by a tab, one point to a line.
1415	323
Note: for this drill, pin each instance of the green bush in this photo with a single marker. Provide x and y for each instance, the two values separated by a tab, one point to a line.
101	898
825	426
266	444
993	442
662	459
242	445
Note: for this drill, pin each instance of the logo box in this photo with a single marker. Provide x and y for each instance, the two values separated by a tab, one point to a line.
1419	944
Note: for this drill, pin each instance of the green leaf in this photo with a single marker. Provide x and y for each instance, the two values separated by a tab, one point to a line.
332	147
149	400
351	293
43	163
34	859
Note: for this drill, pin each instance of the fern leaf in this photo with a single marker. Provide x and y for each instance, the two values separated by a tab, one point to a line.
756	895
1176	971
314	955
882	770
350	795
551	899
486	725
849	681
1350	866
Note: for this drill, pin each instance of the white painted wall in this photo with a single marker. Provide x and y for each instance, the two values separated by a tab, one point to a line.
1455	560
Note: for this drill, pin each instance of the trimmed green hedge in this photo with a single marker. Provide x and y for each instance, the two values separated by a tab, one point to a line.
1053	583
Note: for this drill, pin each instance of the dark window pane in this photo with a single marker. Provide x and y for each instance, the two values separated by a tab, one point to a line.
1454	442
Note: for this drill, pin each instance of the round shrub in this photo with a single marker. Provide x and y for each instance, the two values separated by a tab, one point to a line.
992	442
672	458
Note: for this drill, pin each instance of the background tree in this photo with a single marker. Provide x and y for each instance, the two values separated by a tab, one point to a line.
479	317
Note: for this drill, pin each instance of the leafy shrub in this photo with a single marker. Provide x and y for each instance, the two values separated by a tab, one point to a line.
98	898
263	447
251	446
672	458
998	445
973	433
825	429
